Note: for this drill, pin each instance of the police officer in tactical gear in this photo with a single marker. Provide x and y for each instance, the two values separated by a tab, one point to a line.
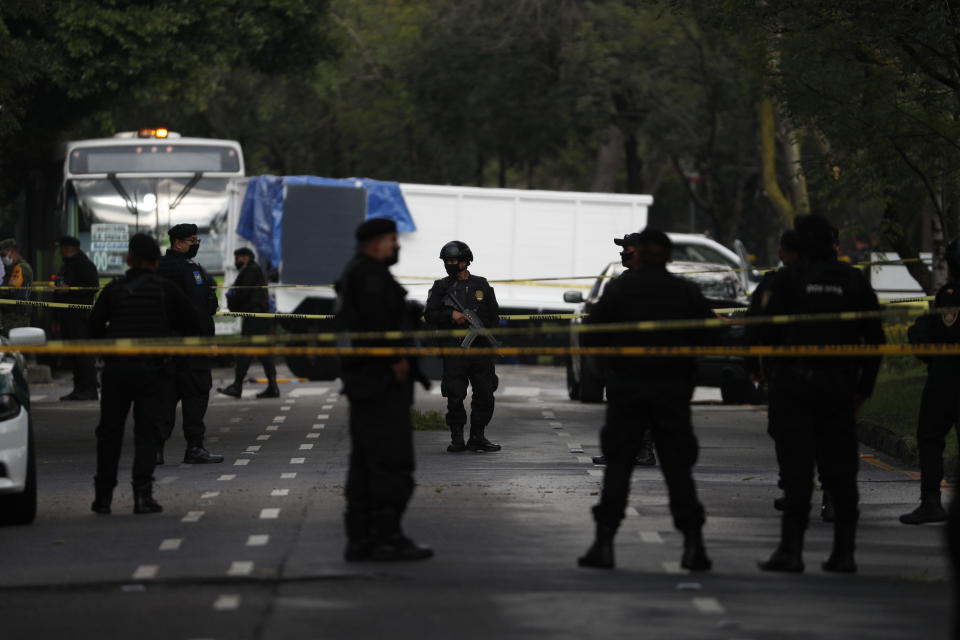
817	397
380	390
939	408
447	303
77	271
138	305
789	252
191	384
249	294
649	393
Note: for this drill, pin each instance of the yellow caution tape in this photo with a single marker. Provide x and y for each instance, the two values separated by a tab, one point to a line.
682	351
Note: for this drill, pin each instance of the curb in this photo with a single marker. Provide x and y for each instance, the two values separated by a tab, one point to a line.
898	447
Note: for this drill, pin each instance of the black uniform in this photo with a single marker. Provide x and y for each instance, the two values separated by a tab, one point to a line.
816	397
649	393
475	294
380	477
939	404
78	271
138	305
251	296
192	383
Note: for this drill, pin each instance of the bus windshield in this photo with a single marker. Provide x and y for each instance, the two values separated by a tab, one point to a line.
153	158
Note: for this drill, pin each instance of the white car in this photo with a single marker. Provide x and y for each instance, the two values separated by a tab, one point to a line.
693	247
18	463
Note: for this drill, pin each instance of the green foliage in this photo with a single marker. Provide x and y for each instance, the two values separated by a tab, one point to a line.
427	420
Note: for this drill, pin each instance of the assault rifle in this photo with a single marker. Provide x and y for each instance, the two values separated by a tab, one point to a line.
476	326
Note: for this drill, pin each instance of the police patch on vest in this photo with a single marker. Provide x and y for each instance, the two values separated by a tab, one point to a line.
478	294
949	318
198	277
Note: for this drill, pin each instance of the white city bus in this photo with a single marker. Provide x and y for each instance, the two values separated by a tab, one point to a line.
148	180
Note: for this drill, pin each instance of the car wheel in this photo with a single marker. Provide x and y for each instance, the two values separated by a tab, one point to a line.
573	385
591	386
21	508
735	389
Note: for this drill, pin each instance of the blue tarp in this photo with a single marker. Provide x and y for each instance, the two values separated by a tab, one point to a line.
261	217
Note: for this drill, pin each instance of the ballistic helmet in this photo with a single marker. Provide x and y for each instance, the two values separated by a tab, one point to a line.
456	250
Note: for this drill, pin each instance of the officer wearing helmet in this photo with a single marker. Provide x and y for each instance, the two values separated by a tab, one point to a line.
939	409
447	303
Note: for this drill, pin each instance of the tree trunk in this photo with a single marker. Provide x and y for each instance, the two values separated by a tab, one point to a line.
608	162
768	159
634	165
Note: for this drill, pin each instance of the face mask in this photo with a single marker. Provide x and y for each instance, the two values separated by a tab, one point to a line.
625	257
452	269
394	258
192	251
7	260
239	265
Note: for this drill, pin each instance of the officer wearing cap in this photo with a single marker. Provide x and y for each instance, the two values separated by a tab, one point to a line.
449	297
138	305
939	409
380	391
646	393
18	274
817	398
77	270
192	383
249	294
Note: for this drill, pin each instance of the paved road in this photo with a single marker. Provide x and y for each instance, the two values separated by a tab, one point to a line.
251	548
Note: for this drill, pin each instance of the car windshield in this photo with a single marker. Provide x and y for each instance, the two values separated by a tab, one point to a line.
716	281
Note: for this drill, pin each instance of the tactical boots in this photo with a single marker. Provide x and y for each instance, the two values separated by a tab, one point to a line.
234	390
600	553
103	496
359	536
930	510
196	454
143	501
844	543
272	390
389	542
788	556
456	440
694	552
478	443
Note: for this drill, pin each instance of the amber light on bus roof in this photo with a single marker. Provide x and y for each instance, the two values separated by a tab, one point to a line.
160	132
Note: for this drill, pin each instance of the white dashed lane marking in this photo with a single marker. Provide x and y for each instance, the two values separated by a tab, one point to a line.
563	434
224	429
299	392
709	606
549	415
575	447
253	448
209	494
263	438
227	602
240	462
167	480
171	544
651	537
192	516
269	514
313	435
279	493
289	401
306	447
273	427
258	540
240	568
288	476
596	473
286	408
327	406
227	477
319	426
146	572
297	460
279	418
585	459
323	416
234	420
556	425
